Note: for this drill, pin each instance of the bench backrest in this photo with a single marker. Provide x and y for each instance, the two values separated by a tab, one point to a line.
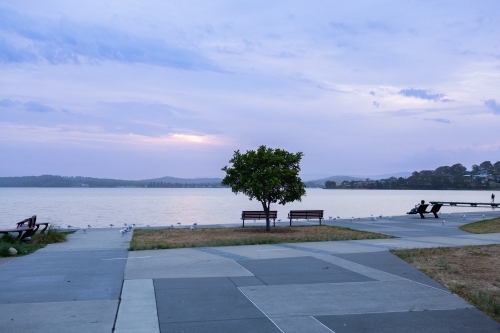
249	214
436	208
422	208
305	213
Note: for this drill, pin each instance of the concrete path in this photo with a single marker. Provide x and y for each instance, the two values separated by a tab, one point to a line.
68	287
92	284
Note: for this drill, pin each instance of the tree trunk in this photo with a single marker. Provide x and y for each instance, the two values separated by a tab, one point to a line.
266	211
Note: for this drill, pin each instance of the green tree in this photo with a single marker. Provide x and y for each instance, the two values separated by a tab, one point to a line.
330	184
268	175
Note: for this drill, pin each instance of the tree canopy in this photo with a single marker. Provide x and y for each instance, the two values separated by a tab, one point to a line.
267	175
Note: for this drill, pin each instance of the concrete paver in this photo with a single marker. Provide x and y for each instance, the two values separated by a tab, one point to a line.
137	311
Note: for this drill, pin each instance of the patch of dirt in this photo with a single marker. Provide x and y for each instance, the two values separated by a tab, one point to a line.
274	230
468	271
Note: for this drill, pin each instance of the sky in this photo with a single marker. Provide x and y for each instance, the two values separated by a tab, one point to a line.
144	89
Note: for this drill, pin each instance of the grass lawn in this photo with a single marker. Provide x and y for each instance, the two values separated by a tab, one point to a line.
149	239
482	227
473	272
37	242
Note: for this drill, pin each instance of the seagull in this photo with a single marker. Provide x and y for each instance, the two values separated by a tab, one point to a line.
192	227
171	226
133	224
330	217
148	226
178	223
352	218
69	226
122	232
338	217
443	222
390	217
88	226
195	223
380	215
84	230
279	220
111	225
449	214
483	216
125	223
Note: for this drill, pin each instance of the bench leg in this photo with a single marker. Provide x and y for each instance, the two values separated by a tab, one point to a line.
422	216
436	215
290	222
243	223
274	222
319	221
43	230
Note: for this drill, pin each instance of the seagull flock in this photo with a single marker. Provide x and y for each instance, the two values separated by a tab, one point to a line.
129	227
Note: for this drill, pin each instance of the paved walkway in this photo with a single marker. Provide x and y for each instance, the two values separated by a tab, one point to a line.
92	284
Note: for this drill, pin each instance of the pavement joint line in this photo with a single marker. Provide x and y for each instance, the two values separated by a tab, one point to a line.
431	242
328	328
245	269
274	250
371	245
305	249
221	253
118	307
127	258
481	239
272	321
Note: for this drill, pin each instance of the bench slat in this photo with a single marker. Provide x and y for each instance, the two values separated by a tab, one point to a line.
258	215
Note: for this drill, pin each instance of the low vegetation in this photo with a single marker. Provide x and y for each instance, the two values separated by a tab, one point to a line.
149	239
26	247
482	227
473	272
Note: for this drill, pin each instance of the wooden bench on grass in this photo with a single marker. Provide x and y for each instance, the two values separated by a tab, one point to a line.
37	225
422	209
22	232
305	214
258	215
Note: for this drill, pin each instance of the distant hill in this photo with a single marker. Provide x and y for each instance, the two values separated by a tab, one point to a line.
337	179
185	180
63	181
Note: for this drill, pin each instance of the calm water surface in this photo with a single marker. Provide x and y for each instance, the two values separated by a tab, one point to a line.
157	206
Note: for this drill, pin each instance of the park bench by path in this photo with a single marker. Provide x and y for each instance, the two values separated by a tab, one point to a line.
37	225
305	214
22	232
422	209
258	215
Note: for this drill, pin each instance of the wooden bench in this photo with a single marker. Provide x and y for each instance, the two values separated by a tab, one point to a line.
422	209
305	214
258	215
22	232
37	225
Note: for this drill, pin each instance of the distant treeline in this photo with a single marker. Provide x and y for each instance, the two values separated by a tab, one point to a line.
61	181
483	176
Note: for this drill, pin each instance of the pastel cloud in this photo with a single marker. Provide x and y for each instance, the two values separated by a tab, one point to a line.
421	94
70	42
493	106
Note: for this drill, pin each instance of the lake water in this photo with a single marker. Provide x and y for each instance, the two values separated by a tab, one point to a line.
164	206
